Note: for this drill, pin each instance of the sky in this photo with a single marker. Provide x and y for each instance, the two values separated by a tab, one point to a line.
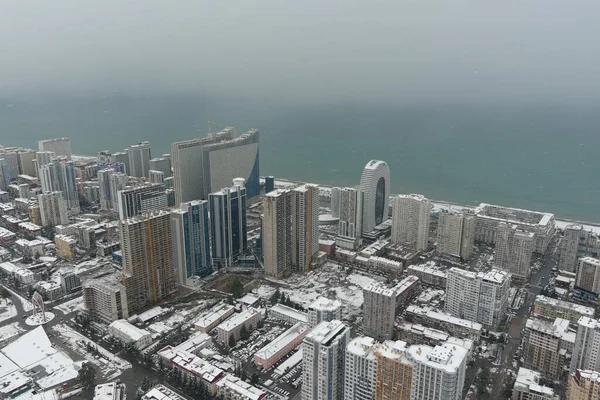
311	50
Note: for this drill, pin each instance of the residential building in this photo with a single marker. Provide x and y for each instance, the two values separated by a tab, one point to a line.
4	175
281	346
576	242
65	246
324	309
123	158
375	185
411	215
43	158
584	385
61	147
381	305
481	297
287	314
191	241
546	345
232	327
220	158
59	175
128	333
305	226
26	159
349	210
514	248
53	209
438	372
147	249
69	281
139	159
156	176
334	202
588	275
140	199
230	387
586	350
108	391
228	224
456	234
117	182
277	233
430	274
528	387
454	326
360	369
105	299
162	164
106	201
489	216
394	371
549	307
211	318
323	356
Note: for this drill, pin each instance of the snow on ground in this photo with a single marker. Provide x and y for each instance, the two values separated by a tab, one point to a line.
562	224
7	310
26	304
8	331
110	365
71	305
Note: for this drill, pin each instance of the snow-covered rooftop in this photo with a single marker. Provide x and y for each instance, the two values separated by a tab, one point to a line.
281	341
326	331
213	315
239	388
447	357
290	312
527	380
237	319
380	288
325	304
131	331
578	308
362	346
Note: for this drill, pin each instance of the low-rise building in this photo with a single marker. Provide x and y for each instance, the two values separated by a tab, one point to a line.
31	248
527	387
128	333
553	308
429	274
287	314
232	327
7	237
22	275
49	289
445	322
109	391
249	300
280	346
30	230
161	392
231	387
213	317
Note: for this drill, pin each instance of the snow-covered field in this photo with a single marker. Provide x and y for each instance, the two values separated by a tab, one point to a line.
328	281
7	310
26	304
110	365
8	331
71	305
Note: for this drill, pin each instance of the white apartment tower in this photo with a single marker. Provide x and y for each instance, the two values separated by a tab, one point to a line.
305	226
410	221
139	159
375	185
514	248
61	147
588	274
586	350
324	309
323	356
456	234
480	297
53	209
438	372
277	233
350	210
360	369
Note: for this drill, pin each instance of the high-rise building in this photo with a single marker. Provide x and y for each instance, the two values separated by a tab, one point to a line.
480	297
529	386
104	188
12	159
147	249
26	165
360	369
205	165
575	243
514	248
277	233
156	176
4	175
269	184
305	226
410	221
586	350
545	345
394	371
162	164
588	275
117	182
323	356
122	157
375	184
438	372
349	210
191	241
228	224
335	203
381	304
53	209
139	159
139	199
105	299
584	385
61	147
324	309
59	175
456	234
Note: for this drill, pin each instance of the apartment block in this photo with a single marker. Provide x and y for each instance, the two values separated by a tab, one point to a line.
411	215
527	387
514	248
277	233
546	345
105	299
305	226
324	309
584	385
576	242
456	234
549	307
360	369
588	275
249	318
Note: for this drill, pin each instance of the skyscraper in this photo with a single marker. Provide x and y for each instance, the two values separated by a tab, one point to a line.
350	212
4	175
586	350
360	369
117	182
410	221
277	234
139	159
123	158
456	234
335	203
375	184
162	164
61	147
59	175
156	176
104	188
228	224
191	241
147	248
305	226
394	371
53	209
514	248
205	165
324	309
323	356
26	165
588	274
139	199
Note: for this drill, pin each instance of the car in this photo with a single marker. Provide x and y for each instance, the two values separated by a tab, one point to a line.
24	316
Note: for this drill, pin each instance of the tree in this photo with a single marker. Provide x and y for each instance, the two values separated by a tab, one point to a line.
482	382
237	288
275	297
87	375
254	379
231	341
146	384
244	334
4	293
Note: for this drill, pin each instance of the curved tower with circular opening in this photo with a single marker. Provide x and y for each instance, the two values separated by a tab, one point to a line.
375	184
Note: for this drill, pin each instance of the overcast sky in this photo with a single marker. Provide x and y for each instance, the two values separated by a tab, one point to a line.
303	49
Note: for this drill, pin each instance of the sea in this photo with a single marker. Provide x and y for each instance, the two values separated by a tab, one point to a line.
541	155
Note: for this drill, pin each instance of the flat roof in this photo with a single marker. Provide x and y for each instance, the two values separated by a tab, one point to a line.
325	304
528	379
578	308
238	319
244	390
281	341
381	288
447	357
362	346
326	331
290	312
213	315
132	331
290	363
